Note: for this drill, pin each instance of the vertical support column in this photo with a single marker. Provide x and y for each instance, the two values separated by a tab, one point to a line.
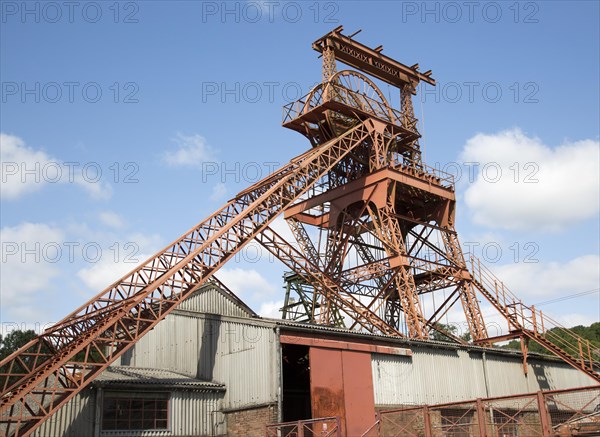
470	304
388	230
544	416
481	418
426	421
286	300
409	121
338	423
98	411
329	68
524	351
468	295
406	103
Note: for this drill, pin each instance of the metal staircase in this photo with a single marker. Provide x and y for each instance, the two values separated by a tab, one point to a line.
363	175
533	324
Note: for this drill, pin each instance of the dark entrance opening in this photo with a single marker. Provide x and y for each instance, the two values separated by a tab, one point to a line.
296	382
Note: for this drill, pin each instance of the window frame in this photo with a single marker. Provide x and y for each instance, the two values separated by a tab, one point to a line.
135	415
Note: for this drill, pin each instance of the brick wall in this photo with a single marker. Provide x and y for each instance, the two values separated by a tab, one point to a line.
250	422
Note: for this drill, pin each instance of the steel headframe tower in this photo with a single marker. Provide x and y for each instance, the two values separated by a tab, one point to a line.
375	235
384	226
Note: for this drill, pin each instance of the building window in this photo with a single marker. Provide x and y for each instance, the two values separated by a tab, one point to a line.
457	423
505	424
135	411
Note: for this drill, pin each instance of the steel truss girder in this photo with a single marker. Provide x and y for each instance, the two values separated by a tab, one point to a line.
342	289
36	382
344	301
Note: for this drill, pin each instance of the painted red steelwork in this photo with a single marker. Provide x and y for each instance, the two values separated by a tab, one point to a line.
359	400
558	413
386	240
341	384
327	384
318	341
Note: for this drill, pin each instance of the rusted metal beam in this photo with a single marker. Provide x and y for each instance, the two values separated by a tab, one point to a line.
370	60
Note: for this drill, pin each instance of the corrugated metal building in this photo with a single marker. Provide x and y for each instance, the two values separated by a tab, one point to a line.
213	367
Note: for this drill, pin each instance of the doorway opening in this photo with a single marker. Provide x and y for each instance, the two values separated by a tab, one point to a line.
296	382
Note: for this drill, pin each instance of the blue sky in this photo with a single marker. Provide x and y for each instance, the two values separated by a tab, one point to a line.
126	123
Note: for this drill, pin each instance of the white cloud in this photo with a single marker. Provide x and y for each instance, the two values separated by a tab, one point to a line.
25	170
106	271
271	309
537	187
570	320
191	151
218	192
14	155
541	281
148	243
280	226
119	259
112	219
28	252
247	283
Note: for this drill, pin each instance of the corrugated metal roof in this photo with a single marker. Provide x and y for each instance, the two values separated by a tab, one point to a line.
405	341
215	298
124	375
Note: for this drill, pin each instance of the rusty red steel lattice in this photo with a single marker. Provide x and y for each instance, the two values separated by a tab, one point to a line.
377	250
323	427
573	412
66	357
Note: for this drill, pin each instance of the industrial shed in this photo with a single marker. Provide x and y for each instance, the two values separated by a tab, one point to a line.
213	367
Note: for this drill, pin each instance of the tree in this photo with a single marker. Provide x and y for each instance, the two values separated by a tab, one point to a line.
591	333
451	329
14	340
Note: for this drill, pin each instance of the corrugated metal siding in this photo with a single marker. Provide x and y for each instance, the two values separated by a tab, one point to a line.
435	376
237	354
506	376
209	300
74	419
191	414
429	376
197	418
245	364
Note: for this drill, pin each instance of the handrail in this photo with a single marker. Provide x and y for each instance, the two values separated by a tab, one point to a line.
297	428
339	93
522	316
443	178
373	427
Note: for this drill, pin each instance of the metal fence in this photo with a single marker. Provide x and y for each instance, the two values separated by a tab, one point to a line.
561	413
325	427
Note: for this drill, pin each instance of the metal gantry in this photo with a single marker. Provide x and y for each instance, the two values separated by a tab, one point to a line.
376	249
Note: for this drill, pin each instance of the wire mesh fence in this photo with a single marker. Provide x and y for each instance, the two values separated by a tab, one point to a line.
325	427
564	413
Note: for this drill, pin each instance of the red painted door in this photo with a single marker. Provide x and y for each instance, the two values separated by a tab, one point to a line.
341	384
